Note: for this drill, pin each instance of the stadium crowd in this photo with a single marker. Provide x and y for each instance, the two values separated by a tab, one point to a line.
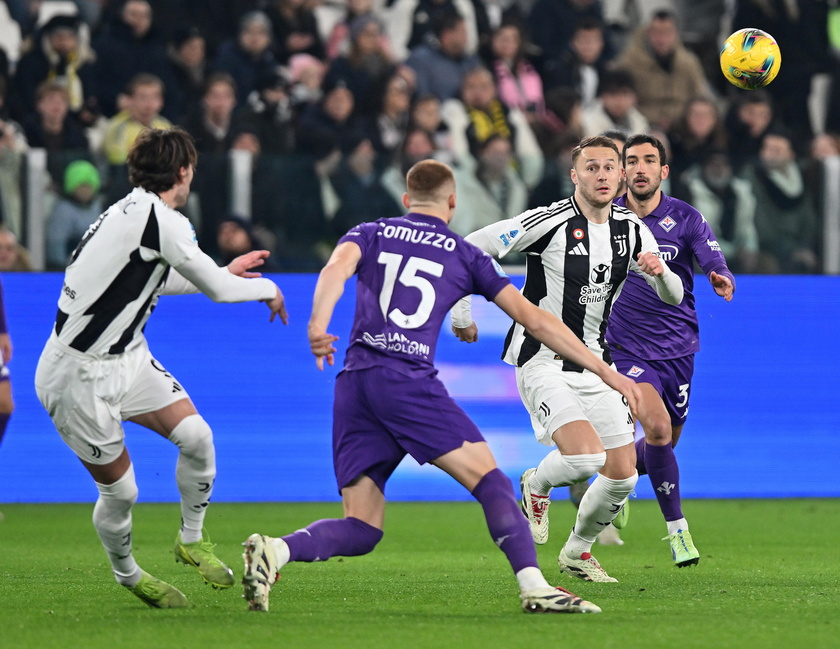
327	103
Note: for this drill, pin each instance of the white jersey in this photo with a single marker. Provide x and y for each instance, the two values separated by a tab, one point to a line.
117	272
575	270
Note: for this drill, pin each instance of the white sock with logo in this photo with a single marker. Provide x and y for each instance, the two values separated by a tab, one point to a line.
598	508
677	525
112	521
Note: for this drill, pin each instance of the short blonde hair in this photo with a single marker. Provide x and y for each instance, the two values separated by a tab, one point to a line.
429	181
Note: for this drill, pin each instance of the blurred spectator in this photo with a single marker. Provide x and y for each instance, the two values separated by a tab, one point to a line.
750	116
700	29
142	110
295	29
551	24
479	115
61	56
270	113
418	145
52	128
728	205
518	82
128	46
211	122
387	126
329	125
13	256
557	183
412	23
338	43
358	184
490	15
615	108
365	65
440	67
785	218
799	27
580	67
249	56
235	236
490	191
188	63
666	73
824	177
697	133
566	104
306	76
425	115
77	207
12	147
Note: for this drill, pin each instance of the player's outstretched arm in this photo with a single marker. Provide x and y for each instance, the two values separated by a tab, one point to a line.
254	259
665	282
551	331
722	285
330	287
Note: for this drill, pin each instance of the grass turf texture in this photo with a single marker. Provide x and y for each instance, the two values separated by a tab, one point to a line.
769	576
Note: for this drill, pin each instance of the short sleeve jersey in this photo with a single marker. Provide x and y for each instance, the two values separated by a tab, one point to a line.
642	323
117	271
412	271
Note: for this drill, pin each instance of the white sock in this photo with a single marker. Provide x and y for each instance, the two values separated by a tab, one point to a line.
194	474
677	525
112	521
558	470
281	551
530	579
598	508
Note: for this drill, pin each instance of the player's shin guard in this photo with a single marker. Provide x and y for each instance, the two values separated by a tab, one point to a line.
558	470
195	473
112	520
508	527
664	475
332	537
598	507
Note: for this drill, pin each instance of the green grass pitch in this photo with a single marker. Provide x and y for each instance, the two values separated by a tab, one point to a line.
769	576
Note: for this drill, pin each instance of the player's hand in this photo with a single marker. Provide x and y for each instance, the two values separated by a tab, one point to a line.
628	388
6	347
277	306
467	334
321	344
241	264
650	264
722	286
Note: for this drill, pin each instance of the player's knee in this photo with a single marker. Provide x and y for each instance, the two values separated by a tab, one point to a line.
122	493
658	430
584	466
193	436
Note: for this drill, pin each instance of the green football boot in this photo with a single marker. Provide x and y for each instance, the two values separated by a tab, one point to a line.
682	549
159	594
200	555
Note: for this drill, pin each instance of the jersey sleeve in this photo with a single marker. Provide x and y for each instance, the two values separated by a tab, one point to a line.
707	250
178	243
488	277
362	235
516	234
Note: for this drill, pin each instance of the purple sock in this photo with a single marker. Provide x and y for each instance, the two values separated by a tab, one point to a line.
665	477
332	537
640	456
508	527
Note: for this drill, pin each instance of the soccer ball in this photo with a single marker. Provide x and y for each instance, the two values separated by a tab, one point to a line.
750	59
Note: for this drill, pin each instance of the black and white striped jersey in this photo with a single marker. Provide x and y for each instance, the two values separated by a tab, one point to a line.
575	270
117	271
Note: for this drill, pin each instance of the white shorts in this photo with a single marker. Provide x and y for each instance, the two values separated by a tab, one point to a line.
88	398
554	398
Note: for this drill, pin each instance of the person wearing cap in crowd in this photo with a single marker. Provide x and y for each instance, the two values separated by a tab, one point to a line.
61	55
77	207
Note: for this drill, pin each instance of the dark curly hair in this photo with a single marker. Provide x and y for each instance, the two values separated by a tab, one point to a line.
157	157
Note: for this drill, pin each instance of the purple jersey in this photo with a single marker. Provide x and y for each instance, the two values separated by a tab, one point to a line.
412	271
642	323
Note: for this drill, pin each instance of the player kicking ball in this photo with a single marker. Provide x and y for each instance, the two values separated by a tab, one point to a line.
388	400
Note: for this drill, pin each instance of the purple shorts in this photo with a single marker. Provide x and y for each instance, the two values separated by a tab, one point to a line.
380	415
671	378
